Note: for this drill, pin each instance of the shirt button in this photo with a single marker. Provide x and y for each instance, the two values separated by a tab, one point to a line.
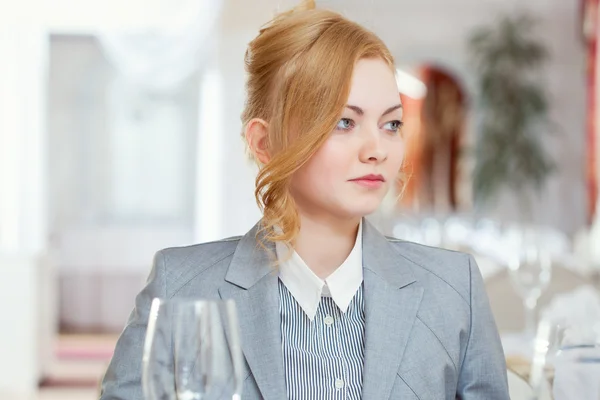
328	321
339	383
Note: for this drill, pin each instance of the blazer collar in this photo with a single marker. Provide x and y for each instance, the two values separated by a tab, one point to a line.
382	259
253	259
392	300
251	281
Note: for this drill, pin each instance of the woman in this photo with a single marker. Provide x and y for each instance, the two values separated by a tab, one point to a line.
344	312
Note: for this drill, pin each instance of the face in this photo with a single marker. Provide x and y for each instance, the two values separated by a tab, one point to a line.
350	174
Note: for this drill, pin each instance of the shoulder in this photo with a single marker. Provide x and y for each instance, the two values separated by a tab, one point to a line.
210	252
440	267
181	264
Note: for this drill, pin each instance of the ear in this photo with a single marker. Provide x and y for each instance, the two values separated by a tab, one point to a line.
256	133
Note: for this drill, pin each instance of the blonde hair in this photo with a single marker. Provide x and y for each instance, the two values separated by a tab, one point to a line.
299	71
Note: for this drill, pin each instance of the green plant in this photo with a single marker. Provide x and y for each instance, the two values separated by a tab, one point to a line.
513	106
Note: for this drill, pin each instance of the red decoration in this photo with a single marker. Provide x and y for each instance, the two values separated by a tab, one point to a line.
589	22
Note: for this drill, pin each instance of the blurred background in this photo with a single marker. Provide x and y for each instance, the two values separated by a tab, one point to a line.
120	135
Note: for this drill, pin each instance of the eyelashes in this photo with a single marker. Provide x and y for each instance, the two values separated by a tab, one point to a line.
397	126
347	124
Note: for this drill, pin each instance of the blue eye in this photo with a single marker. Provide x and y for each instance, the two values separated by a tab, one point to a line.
393	126
345	124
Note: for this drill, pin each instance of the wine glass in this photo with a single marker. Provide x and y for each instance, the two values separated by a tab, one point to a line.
530	272
577	361
457	232
545	336
568	353
432	232
192	351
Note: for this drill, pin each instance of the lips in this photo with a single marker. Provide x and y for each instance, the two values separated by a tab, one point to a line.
370	181
370	177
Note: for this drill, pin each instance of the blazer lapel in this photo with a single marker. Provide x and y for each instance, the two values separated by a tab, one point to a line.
392	299
251	281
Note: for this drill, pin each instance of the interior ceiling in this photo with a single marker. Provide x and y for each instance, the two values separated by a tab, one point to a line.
402	7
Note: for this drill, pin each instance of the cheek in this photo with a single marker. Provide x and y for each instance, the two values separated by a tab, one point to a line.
327	164
315	175
319	175
396	154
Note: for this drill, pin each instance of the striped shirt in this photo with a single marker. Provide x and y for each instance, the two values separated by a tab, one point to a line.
322	327
323	358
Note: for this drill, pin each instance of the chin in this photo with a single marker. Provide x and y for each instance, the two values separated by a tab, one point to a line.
355	210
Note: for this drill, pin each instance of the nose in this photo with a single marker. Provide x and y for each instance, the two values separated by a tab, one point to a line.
372	149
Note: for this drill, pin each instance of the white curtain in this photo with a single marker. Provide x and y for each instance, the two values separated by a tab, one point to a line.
169	44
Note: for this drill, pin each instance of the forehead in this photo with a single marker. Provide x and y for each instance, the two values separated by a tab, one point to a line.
373	86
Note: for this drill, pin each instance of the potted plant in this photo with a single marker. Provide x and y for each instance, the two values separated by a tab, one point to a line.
513	112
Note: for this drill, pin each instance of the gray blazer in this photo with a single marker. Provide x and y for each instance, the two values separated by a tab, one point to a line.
430	334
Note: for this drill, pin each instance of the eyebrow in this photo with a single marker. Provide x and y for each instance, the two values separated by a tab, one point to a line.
360	111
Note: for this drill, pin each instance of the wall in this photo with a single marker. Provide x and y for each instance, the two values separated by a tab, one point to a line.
22	205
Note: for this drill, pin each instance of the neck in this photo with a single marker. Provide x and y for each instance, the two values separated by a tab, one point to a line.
325	245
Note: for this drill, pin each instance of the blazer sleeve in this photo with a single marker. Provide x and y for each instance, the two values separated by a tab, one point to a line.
483	370
122	380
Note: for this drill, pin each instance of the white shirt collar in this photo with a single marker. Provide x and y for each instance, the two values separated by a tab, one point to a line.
307	288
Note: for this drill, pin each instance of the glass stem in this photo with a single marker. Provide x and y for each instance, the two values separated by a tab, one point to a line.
530	304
